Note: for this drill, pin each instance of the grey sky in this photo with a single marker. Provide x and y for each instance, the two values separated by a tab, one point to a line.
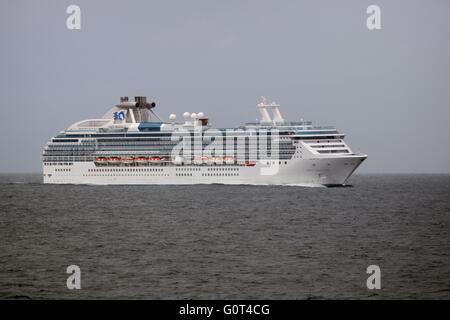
388	90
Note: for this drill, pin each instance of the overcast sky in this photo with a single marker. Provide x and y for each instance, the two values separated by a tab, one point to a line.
388	89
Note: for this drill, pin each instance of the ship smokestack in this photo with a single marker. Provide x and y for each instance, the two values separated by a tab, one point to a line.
141	101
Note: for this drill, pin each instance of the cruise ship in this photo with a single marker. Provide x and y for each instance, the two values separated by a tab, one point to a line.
130	144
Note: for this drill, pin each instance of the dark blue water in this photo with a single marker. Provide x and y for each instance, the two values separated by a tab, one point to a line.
231	242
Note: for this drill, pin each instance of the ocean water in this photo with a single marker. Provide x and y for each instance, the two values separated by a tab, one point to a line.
226	242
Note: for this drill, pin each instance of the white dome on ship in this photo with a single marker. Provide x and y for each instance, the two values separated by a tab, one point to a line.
186	114
172	116
193	116
201	114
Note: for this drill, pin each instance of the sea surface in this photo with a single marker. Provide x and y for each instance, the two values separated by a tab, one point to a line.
226	242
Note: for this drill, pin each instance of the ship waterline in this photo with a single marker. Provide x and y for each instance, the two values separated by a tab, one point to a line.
131	145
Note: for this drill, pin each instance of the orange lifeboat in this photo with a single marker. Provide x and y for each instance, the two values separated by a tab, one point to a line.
209	160
198	160
141	160
127	160
114	160
101	161
154	160
249	164
228	160
217	160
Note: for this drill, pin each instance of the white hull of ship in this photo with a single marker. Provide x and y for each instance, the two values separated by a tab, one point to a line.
328	171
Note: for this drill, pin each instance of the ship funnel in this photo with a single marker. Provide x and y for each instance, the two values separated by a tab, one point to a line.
141	102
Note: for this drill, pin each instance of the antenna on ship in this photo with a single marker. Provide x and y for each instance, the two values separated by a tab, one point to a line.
265	117
277	117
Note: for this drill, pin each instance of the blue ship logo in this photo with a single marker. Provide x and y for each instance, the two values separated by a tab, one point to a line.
119	115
